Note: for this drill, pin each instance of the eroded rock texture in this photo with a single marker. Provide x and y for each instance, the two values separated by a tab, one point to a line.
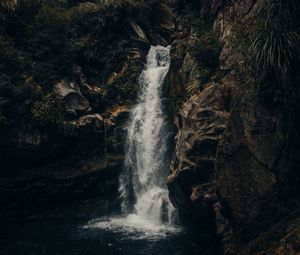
236	156
84	161
200	122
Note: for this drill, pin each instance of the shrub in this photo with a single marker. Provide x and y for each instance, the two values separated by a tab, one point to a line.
48	38
49	110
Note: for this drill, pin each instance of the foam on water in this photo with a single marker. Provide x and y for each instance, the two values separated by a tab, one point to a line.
143	178
133	227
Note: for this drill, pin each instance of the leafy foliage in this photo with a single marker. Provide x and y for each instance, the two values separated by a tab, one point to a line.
49	110
41	42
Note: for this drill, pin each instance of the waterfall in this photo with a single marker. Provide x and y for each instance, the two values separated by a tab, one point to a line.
142	183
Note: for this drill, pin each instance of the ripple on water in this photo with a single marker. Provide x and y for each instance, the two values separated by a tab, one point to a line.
133	227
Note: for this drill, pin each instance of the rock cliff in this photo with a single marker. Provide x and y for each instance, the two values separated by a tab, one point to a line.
234	171
235	158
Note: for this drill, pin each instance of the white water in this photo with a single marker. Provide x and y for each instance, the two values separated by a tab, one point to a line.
145	204
133	227
143	180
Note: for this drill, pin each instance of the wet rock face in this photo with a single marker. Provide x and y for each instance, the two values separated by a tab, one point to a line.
200	123
83	160
247	157
250	157
229	160
254	170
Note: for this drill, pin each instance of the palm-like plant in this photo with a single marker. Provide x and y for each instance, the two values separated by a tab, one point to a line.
275	50
277	44
281	9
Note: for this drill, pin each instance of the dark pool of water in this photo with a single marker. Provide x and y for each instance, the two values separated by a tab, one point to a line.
80	234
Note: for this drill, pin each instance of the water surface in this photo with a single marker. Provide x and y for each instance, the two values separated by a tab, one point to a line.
62	234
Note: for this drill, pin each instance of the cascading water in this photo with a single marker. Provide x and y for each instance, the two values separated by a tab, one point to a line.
145	204
141	232
142	181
